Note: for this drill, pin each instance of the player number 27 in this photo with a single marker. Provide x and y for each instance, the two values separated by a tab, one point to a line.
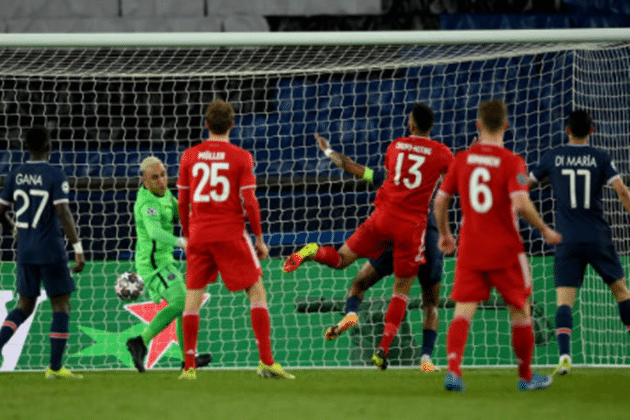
26	202
210	176
414	170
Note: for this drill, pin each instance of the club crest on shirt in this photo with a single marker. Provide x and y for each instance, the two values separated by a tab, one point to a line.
522	179
152	211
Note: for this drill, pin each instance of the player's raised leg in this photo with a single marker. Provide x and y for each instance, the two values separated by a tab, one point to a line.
15	318
326	255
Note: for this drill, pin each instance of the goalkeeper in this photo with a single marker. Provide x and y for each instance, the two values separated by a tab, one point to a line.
154	212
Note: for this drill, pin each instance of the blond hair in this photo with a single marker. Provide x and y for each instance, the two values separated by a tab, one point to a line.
148	162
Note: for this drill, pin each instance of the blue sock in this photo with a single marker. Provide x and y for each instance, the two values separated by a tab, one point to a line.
10	326
58	338
352	304
624	313
428	341
564	325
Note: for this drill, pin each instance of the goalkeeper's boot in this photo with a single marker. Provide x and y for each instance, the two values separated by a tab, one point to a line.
274	371
564	366
138	351
190	374
452	382
62	373
537	382
426	364
296	259
350	320
201	360
379	359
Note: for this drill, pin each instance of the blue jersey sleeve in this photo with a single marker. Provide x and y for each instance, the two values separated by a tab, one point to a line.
609	169
60	188
541	170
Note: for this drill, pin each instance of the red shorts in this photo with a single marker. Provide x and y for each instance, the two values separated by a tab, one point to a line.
514	283
382	231
235	260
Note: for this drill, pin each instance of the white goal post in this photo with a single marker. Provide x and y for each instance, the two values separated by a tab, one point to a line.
109	100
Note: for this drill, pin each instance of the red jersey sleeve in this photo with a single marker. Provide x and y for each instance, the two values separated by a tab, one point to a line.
449	183
183	198
517	178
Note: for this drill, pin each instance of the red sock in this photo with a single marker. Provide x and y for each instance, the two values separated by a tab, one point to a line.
327	255
190	324
456	343
523	343
262	331
394	316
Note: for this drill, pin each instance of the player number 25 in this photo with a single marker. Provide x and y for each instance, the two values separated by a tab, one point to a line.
479	193
26	202
414	170
210	175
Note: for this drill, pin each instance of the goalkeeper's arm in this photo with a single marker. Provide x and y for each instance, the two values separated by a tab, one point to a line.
348	165
157	233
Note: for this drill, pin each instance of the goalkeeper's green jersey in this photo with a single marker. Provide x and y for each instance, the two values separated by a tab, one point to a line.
154	227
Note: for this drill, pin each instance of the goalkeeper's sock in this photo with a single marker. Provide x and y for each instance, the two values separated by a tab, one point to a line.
523	343
394	316
262	331
10	325
456	343
328	255
624	313
58	338
564	326
161	321
352	304
191	330
428	341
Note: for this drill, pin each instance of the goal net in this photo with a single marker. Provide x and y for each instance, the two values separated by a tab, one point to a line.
110	101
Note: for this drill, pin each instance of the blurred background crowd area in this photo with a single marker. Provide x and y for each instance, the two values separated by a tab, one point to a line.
30	16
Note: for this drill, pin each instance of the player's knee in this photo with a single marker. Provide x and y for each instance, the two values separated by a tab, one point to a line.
26	305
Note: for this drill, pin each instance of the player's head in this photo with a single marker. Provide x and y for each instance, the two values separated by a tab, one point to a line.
219	117
154	176
579	124
421	119
37	142
493	116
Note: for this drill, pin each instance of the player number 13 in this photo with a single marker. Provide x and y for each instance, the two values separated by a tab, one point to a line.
210	176
414	170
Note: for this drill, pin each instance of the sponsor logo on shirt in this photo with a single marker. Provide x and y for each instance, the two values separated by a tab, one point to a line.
483	160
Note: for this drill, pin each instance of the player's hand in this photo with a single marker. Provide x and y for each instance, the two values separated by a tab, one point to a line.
551	236
446	244
262	250
322	143
182	242
79	262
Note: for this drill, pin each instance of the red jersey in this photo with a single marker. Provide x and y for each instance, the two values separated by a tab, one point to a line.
486	178
212	175
414	166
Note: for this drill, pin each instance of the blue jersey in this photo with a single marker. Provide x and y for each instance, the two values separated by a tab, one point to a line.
35	188
380	175
577	174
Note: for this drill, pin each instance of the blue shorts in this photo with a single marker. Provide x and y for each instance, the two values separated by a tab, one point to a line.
56	278
571	259
429	274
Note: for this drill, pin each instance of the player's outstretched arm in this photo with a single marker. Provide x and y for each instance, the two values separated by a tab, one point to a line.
446	241
622	193
67	224
524	206
339	159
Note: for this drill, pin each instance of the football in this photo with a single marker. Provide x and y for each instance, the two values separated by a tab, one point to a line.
129	286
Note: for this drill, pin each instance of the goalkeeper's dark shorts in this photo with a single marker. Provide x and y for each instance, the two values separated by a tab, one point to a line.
429	274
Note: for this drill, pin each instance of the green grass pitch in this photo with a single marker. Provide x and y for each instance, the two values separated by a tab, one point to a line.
587	393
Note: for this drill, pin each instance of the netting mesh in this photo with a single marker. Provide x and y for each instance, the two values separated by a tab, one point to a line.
108	108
